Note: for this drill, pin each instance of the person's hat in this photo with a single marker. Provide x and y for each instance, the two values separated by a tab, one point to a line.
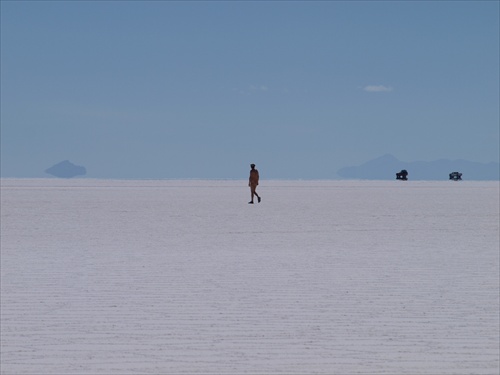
252	165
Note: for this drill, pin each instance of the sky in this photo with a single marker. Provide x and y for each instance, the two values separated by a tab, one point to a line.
160	89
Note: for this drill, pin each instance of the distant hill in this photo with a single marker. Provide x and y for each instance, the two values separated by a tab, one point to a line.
66	169
386	166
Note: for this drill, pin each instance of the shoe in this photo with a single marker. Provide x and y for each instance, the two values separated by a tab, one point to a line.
258	199
250	202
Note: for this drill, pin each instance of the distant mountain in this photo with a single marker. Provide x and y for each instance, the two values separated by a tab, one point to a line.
66	169
386	166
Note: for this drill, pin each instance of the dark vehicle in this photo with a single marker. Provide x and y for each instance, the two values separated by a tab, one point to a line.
403	175
455	176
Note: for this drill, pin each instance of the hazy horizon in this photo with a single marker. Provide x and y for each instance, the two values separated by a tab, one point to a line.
381	168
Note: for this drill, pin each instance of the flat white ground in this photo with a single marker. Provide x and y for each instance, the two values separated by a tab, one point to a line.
173	277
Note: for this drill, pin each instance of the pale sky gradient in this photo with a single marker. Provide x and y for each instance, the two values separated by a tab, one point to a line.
140	89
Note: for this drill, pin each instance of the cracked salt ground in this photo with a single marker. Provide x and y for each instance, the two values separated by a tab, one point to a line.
172	277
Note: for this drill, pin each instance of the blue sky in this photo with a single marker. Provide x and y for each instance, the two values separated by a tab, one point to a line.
202	89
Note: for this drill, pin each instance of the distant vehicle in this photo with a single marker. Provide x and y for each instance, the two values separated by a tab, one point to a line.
455	176
403	175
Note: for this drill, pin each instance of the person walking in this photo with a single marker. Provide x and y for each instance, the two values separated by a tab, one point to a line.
253	182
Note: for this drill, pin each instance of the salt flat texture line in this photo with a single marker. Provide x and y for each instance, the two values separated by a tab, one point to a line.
184	277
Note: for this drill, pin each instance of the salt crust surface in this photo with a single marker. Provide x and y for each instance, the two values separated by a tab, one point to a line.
184	277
